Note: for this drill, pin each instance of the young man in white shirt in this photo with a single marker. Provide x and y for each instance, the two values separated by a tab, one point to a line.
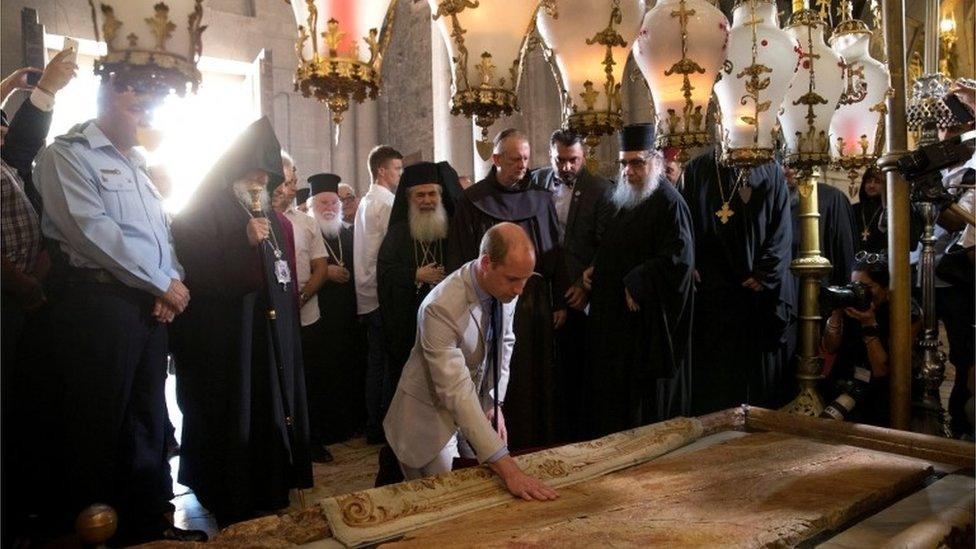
311	267
372	218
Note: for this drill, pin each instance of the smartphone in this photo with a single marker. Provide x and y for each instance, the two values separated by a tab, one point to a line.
958	110
71	44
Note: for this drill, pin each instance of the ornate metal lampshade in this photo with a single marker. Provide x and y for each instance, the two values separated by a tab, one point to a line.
813	95
340	49
680	48
486	40
151	45
761	61
857	128
589	42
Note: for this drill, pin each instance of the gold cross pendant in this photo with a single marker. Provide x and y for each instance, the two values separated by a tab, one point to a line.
725	213
865	234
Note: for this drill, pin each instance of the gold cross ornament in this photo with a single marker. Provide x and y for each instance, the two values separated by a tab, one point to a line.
725	213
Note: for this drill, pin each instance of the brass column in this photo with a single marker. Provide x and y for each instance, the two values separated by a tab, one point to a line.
810	267
896	139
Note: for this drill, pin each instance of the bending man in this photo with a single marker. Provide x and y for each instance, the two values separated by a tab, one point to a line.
453	385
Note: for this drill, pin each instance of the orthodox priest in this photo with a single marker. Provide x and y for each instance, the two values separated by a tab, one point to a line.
745	296
641	299
411	259
240	380
340	389
506	194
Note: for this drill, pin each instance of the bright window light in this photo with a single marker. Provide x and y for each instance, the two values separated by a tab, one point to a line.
196	129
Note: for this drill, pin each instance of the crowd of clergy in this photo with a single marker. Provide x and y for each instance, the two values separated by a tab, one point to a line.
287	305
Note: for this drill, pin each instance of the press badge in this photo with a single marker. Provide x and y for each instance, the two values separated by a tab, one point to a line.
282	272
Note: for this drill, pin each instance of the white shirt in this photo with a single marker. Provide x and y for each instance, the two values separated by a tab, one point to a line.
372	217
309	245
562	197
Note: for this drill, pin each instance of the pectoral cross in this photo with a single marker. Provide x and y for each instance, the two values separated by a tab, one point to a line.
865	234
725	213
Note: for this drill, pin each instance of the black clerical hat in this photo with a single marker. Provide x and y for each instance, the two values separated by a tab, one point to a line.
636	137
301	195
324	183
419	174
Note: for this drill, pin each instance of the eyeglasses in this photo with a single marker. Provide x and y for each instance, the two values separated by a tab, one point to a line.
347	199
633	163
868	257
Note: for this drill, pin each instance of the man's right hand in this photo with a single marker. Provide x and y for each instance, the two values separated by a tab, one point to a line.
258	229
338	274
576	297
432	274
588	279
177	296
59	71
520	484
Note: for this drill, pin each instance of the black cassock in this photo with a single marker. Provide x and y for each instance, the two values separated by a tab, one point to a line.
739	337
399	294
530	404
867	214
340	384
836	232
237	453
637	365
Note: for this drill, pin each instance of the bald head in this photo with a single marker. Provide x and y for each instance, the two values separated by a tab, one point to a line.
511	156
506	263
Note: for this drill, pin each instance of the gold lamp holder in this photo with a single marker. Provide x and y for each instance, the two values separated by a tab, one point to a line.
336	77
484	102
150	65
588	121
811	153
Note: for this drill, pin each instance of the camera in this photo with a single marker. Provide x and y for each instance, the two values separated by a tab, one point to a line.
856	295
922	168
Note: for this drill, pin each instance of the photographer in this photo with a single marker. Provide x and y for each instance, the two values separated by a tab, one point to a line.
857	337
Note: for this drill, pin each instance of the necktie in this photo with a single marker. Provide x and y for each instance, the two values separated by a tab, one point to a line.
494	328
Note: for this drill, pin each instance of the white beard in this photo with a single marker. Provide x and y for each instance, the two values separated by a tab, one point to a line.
330	227
242	191
428	226
627	196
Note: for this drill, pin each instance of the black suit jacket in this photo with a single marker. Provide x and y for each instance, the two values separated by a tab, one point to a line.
589	211
27	133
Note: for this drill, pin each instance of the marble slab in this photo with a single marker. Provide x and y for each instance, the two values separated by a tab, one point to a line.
759	490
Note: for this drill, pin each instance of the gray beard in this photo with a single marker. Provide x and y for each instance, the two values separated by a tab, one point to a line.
428	226
242	192
626	196
330	227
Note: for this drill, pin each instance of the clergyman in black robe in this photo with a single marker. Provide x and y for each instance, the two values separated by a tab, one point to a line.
245	425
868	213
338	385
506	194
641	299
745	298
412	256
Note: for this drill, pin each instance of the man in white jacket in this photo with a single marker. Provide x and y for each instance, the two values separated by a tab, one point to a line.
449	394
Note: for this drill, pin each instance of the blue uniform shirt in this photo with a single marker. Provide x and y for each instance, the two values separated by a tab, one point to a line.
102	208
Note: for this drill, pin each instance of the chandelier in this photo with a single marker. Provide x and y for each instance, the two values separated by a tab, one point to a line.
150	45
761	62
587	43
340	50
680	48
486	40
857	128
